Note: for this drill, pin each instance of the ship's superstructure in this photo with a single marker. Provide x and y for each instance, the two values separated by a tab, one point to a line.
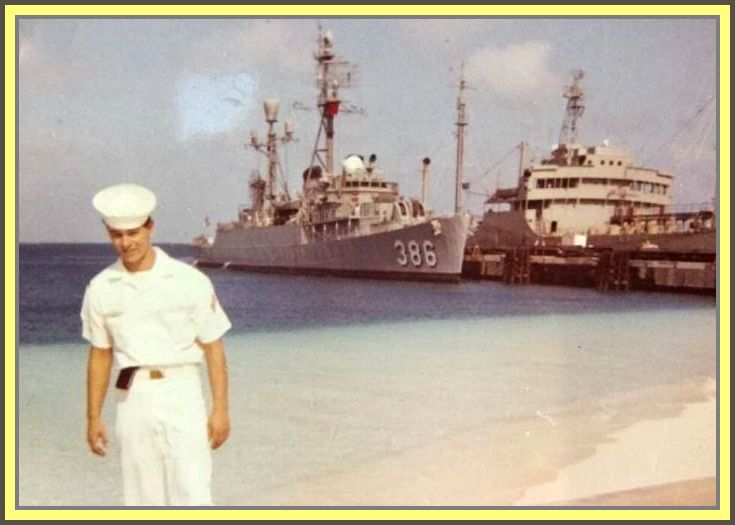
580	189
586	190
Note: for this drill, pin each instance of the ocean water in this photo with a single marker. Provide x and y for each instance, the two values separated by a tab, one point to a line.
331	376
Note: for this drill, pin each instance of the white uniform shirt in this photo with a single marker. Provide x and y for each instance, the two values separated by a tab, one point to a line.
155	317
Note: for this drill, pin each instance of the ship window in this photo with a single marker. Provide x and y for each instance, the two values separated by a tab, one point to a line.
541	183
602	162
620	163
573	183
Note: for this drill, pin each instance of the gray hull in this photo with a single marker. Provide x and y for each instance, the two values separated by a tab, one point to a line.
431	250
680	242
510	229
503	230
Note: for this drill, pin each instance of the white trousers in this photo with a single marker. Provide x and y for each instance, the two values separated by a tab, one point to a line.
162	431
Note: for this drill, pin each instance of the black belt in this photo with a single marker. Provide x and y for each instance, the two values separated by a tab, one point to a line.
125	377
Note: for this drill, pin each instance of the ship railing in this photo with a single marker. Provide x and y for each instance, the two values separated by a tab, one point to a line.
666	223
702	207
330	231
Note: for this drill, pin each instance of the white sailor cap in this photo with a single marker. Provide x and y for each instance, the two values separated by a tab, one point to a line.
124	206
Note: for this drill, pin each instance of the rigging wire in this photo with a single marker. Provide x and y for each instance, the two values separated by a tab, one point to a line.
694	118
495	165
702	131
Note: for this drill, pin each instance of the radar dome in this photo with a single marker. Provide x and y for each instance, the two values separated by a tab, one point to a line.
352	165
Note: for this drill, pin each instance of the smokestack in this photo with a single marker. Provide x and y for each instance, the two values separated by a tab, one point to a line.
425	183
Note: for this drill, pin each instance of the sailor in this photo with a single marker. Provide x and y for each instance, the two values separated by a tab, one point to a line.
160	319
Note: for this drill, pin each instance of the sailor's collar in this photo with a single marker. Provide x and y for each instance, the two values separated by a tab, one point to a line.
162	267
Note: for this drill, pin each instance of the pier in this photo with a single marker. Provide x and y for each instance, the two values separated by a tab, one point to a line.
601	268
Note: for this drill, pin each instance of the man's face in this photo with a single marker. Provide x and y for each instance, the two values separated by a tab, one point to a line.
132	245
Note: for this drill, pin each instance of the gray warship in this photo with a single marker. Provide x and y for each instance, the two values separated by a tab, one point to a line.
352	222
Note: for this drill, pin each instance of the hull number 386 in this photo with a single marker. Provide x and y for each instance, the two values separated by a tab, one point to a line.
415	253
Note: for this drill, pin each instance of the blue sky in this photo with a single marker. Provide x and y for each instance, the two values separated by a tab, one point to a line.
170	103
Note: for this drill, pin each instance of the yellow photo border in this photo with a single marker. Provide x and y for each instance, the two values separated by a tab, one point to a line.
722	12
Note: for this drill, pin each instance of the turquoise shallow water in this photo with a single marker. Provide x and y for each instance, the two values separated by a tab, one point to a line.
313	401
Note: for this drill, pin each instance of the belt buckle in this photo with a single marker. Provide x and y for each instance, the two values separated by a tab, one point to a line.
155	374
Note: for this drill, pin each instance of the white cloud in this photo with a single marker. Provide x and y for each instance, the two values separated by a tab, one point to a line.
455	33
257	44
519	73
208	104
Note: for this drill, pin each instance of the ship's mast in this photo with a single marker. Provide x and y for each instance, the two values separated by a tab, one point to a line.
332	74
271	117
270	147
575	107
523	146
461	124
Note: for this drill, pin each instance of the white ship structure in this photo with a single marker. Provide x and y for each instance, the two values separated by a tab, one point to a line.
591	196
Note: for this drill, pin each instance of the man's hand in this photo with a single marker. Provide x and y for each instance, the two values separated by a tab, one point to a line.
218	428
98	375
97	436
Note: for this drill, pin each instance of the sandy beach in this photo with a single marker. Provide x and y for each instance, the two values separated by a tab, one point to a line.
665	461
659	462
